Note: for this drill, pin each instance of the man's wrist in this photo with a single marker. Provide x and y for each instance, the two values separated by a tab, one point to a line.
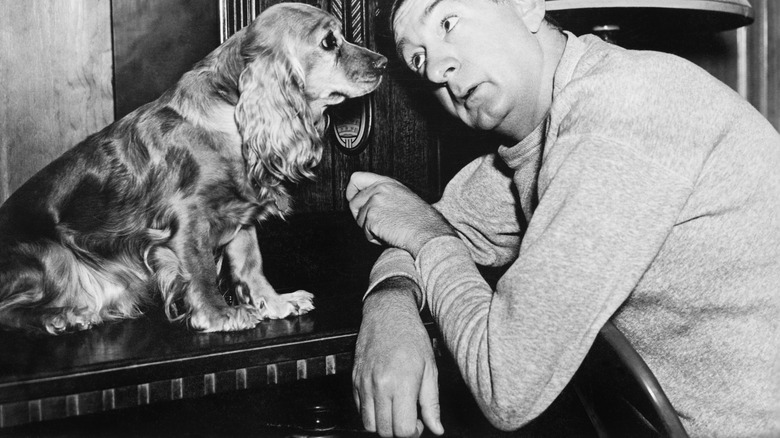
433	233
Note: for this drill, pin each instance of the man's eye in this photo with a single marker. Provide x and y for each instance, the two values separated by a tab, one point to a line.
448	23
329	42
417	61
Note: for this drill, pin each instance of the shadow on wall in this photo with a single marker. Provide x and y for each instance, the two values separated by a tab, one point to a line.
155	42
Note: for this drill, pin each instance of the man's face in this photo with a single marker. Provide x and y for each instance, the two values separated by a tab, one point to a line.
481	54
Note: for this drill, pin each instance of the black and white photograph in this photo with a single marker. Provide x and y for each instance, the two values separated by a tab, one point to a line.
390	218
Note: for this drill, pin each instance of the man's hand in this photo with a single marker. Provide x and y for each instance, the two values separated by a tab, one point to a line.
391	213
394	364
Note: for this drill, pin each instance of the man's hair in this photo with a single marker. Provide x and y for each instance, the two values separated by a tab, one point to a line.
393	9
397	4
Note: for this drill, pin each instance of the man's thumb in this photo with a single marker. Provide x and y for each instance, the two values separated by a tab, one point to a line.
429	401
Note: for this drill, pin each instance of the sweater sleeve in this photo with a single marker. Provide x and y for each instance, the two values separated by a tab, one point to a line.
480	203
599	224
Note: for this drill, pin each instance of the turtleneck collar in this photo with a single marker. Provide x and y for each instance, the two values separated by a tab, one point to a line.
528	149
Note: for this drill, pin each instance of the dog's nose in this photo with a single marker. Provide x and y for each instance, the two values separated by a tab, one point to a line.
380	63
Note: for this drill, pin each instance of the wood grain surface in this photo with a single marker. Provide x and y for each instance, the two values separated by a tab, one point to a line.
56	85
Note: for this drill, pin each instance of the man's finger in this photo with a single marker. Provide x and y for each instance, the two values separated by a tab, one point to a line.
405	411
359	181
367	409
383	407
429	401
362	218
419	429
358	203
356	397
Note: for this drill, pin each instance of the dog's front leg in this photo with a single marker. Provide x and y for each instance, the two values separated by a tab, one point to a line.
246	267
208	310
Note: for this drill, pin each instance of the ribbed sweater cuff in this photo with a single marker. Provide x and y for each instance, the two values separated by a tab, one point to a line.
395	263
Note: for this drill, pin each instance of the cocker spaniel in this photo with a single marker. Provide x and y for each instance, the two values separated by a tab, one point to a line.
152	204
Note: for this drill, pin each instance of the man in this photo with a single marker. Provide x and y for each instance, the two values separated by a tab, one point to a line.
651	194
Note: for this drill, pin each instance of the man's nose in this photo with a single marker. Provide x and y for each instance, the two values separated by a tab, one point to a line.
441	69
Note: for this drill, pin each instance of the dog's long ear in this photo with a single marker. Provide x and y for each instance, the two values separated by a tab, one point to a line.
280	140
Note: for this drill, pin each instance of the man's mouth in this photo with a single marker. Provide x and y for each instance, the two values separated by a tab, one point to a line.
470	92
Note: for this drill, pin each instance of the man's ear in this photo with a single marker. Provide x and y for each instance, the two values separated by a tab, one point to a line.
532	12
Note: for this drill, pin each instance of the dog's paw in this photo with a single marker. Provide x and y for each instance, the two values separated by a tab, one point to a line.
284	305
227	319
70	320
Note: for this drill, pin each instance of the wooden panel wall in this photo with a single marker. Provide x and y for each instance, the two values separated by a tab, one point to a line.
155	42
56	81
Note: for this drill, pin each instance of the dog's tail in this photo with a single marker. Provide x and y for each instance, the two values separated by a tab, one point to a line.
44	286
23	289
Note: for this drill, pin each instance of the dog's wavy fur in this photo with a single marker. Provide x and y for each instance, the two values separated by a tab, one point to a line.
154	202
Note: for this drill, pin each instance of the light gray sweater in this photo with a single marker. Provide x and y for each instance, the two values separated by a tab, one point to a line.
651	195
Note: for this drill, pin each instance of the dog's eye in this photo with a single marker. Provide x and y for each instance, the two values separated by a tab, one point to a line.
329	42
